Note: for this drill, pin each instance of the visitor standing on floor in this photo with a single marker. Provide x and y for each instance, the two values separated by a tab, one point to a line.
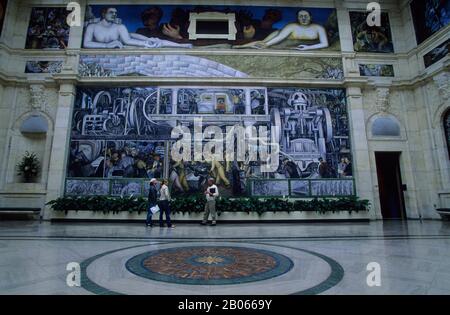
152	201
211	193
164	204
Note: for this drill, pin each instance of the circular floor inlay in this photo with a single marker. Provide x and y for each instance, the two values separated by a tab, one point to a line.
209	265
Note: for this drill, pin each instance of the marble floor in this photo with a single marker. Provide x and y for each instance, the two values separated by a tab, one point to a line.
266	259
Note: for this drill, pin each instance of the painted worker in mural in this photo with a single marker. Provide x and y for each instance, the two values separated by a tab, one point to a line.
178	177
175	30
254	29
109	33
304	29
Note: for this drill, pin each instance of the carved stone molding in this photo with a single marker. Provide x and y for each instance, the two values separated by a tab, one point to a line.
442	82
382	101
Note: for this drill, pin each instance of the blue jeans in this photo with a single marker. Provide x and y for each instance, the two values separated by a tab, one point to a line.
164	208
148	221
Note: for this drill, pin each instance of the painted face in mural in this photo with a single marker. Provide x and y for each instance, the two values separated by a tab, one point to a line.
110	15
304	18
152	17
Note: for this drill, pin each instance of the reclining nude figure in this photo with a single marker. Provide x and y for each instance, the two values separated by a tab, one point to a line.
108	34
303	30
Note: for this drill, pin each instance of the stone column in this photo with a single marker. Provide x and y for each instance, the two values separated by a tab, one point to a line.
360	147
174	100
248	101
345	32
60	147
442	82
76	32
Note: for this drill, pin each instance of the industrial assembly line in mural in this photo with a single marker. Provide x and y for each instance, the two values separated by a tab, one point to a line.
119	112
122	136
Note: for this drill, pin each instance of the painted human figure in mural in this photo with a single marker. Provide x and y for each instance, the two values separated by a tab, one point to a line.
304	29
218	172
172	31
178	177
254	29
109	34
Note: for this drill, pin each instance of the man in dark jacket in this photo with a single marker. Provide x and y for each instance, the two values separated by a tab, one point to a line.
152	201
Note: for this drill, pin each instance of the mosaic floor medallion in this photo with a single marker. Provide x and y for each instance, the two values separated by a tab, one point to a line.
209	265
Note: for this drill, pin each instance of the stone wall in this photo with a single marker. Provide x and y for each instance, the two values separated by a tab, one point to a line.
417	97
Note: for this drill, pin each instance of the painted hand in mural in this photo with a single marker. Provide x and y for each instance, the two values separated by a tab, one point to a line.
114	44
172	32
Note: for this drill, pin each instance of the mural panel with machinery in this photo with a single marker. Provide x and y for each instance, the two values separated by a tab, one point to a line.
123	136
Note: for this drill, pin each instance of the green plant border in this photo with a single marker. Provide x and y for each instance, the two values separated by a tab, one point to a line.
196	203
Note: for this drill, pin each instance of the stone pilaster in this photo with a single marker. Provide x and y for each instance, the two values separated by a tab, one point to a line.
61	138
361	158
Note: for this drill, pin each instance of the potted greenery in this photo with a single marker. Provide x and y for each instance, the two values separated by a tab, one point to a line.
28	167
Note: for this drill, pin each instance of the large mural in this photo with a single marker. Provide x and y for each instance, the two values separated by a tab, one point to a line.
429	17
48	28
437	54
122	136
376	70
3	4
211	66
40	66
367	38
173	26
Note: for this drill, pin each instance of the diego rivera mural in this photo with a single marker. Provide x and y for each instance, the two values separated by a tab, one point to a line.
437	54
169	26
121	137
376	70
429	17
48	28
371	38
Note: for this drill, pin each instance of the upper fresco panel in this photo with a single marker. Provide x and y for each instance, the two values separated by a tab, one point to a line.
429	17
48	28
210	27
